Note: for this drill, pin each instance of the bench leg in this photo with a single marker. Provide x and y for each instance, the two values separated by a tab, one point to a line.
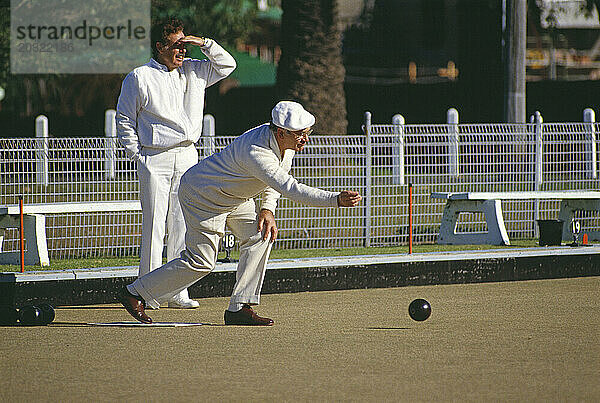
567	212
447	235
495	222
492	209
8	221
34	232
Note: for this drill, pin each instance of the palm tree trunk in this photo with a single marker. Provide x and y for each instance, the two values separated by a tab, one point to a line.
310	70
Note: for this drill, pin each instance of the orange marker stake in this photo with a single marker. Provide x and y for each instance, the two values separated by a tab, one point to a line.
410	222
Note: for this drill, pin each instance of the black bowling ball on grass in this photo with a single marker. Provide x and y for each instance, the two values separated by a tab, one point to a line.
419	310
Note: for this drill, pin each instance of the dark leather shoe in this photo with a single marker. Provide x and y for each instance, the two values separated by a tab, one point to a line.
135	305
246	316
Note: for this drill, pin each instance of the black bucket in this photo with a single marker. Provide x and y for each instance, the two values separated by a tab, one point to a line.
550	232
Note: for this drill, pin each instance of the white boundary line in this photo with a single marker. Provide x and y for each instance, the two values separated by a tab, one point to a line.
139	324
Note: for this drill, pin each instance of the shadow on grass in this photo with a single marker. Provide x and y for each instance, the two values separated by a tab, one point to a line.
389	328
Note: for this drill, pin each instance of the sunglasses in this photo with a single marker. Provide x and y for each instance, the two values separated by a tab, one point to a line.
301	134
176	45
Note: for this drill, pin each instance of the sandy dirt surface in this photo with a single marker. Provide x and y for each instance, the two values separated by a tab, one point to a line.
513	341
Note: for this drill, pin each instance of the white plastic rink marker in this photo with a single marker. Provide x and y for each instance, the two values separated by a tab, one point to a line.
139	324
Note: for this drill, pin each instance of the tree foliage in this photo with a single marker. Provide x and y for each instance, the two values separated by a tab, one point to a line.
81	94
228	21
534	11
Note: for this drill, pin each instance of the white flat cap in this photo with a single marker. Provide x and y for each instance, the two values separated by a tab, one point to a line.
291	116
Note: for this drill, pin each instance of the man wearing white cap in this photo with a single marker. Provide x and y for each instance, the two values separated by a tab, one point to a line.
220	191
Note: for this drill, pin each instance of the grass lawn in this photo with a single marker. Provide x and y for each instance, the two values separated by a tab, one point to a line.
512	341
89	263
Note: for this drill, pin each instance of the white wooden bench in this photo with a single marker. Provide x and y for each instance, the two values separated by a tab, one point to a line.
489	203
34	224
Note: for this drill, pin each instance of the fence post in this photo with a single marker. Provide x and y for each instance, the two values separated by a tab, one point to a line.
537	119
452	119
208	135
368	162
110	132
41	132
398	150
589	118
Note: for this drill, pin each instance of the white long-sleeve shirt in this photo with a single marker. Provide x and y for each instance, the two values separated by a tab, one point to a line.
160	109
251	164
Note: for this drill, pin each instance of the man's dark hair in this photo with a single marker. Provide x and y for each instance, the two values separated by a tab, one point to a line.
162	29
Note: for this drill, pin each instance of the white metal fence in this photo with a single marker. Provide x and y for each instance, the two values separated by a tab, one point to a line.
380	163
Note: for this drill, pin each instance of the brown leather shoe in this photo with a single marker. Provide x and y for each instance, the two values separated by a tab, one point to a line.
135	305
246	316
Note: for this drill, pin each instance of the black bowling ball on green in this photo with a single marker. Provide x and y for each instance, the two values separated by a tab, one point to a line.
419	310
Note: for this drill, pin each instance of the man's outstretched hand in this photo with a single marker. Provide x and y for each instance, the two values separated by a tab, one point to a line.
348	198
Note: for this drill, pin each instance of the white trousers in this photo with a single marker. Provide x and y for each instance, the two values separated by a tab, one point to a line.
159	174
204	231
